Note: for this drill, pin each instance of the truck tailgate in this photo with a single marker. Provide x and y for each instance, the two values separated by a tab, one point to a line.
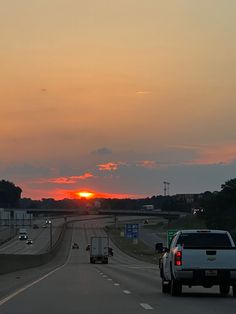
208	259
99	246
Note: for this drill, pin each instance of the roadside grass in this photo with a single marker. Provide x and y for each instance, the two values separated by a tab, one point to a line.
187	222
139	251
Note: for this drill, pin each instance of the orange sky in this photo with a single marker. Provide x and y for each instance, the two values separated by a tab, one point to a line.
118	94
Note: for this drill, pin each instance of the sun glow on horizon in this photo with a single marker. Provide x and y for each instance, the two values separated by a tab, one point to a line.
85	194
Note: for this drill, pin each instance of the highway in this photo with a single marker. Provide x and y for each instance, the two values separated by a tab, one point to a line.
70	284
40	237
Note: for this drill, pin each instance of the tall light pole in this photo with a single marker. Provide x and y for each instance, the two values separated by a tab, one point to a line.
50	224
167	193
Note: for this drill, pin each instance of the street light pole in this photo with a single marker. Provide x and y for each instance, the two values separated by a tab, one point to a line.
50	223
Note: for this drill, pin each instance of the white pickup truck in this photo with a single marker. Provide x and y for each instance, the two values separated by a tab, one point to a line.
199	258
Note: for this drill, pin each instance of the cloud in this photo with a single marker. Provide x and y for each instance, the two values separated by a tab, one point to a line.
102	151
217	154
85	176
142	92
149	164
110	166
71	179
62	180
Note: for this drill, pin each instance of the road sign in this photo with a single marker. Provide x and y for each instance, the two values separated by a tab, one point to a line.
131	231
170	235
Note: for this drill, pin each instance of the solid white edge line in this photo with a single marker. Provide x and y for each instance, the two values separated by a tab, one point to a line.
146	306
14	294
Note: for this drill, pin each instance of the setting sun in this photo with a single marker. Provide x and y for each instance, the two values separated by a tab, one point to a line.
85	194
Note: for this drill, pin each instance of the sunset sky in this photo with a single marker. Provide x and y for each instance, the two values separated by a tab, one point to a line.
115	97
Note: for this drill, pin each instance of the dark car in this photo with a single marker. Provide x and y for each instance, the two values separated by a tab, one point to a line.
110	251
75	245
23	237
29	242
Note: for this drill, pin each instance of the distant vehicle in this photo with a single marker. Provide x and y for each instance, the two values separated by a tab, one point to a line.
35	226
99	250
75	245
199	258
147	207
29	242
110	251
146	222
23	235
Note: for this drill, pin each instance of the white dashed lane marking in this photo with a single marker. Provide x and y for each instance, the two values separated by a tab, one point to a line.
126	291
146	306
116	284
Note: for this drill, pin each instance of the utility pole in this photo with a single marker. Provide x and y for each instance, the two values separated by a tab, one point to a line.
50	230
167	193
166	188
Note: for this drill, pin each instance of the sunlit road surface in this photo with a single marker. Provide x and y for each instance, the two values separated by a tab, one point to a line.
125	285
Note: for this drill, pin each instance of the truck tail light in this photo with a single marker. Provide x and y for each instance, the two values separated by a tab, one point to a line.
178	258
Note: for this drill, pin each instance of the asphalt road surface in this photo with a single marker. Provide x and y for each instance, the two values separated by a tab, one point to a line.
73	285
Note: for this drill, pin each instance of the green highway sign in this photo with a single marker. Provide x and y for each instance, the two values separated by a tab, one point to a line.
170	235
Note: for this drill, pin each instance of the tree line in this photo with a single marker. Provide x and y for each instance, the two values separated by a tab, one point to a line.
218	209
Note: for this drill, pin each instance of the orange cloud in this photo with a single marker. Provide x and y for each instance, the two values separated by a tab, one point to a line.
110	166
142	92
150	164
71	179
62	180
86	176
225	153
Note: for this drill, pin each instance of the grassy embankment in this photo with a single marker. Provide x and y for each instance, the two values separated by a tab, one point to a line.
140	250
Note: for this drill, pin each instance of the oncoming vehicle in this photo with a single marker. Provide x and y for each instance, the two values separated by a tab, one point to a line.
75	245
29	242
23	235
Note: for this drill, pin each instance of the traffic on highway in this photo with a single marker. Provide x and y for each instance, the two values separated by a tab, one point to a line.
70	283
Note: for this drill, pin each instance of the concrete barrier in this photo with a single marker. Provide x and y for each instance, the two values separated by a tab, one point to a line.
13	262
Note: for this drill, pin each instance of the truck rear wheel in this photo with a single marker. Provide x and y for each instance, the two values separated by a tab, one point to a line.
165	286
175	287
224	289
234	290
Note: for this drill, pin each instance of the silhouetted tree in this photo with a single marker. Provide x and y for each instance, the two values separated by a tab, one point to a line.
9	194
220	207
